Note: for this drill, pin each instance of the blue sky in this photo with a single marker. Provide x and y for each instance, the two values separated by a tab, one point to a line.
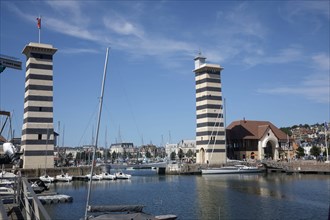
275	56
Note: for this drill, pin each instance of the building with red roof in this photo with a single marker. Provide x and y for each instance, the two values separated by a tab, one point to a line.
247	139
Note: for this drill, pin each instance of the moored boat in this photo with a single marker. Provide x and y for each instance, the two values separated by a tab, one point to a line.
121	175
46	178
6	191
94	177
232	170
108	176
64	177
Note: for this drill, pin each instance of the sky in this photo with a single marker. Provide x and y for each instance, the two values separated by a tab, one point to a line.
275	56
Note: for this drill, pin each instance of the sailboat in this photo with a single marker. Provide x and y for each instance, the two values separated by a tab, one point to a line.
64	177
118	211
234	169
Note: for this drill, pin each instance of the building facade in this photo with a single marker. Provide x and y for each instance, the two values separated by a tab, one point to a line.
257	140
210	131
37	140
184	145
120	148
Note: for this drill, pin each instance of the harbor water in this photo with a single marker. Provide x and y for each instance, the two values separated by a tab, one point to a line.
233	196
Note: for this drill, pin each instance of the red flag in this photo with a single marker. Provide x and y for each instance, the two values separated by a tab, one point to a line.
39	23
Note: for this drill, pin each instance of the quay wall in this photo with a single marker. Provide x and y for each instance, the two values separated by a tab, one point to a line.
300	166
185	169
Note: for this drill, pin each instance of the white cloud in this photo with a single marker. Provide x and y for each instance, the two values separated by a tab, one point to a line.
123	27
314	87
312	13
64	27
69	8
242	22
78	50
321	61
287	55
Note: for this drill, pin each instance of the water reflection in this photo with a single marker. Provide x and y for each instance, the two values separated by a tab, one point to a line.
240	195
245	196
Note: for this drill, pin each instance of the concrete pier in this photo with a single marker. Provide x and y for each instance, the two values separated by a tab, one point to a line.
300	166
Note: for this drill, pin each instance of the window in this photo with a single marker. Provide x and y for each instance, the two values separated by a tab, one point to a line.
39	136
40	109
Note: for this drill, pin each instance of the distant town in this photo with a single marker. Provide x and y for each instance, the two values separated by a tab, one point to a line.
308	143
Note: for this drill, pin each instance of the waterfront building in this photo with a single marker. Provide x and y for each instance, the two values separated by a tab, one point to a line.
37	140
169	148
257	140
120	148
210	130
184	145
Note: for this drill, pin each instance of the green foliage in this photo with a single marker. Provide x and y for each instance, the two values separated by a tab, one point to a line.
189	153
173	155
294	127
148	154
286	130
300	152
315	151
114	155
180	154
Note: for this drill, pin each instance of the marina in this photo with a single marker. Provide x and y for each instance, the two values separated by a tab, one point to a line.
168	189
254	196
249	169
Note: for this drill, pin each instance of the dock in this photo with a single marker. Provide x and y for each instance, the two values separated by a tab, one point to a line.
56	198
24	203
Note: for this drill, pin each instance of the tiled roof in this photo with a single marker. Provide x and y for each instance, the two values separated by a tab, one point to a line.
247	129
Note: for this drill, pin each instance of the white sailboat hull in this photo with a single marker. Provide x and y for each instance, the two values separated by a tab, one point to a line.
232	170
64	178
121	175
47	179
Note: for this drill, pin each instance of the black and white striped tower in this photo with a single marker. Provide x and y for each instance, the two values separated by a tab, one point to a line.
210	131
38	129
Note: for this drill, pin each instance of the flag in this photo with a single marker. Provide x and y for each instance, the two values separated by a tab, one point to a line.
39	22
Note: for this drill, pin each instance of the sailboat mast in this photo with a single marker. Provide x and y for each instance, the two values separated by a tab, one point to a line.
97	133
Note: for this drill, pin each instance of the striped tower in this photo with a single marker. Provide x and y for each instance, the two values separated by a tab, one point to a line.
38	131
210	131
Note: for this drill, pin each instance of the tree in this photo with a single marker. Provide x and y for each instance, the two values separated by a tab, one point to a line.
173	155
300	152
315	151
180	154
189	153
286	130
114	156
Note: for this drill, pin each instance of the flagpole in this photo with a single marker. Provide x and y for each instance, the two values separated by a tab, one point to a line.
39	26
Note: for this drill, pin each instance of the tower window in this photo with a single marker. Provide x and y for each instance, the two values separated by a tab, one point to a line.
39	136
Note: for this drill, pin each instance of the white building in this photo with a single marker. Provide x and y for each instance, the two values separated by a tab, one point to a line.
184	145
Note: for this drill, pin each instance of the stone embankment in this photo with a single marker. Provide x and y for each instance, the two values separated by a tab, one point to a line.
299	166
